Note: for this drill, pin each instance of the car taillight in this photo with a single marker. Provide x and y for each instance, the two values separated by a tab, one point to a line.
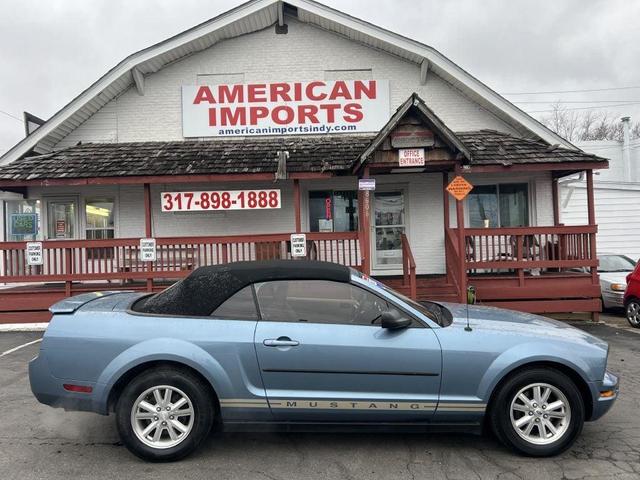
77	388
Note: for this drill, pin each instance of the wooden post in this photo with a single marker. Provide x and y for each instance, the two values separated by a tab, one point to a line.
148	232
591	212
462	250
296	204
447	223
556	201
365	225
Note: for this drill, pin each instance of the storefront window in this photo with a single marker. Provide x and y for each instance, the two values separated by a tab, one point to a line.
333	211
503	205
22	220
99	219
61	220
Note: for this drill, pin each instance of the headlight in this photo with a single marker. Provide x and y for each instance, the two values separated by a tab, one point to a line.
618	287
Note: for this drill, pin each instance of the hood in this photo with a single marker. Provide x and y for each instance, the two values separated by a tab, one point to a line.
614	277
524	324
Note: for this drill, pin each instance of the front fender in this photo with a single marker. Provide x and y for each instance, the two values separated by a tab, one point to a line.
523	354
163	349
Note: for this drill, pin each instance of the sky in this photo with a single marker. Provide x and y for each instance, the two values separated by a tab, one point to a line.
51	50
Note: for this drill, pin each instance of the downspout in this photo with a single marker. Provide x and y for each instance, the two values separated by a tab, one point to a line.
626	150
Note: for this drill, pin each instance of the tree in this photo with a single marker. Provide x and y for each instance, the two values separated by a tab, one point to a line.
587	125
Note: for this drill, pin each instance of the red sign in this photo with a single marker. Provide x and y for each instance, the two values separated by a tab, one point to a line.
220	200
61	226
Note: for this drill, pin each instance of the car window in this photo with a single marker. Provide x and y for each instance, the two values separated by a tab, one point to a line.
615	263
240	306
318	301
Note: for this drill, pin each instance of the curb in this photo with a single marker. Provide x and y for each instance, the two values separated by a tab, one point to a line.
23	327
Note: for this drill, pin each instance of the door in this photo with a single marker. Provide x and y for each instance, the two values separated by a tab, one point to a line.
388	226
62	219
324	356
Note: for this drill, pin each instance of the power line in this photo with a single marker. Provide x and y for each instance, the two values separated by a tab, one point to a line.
587	108
577	101
574	91
12	116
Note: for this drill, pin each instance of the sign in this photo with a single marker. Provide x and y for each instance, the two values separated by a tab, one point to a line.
285	108
366	184
411	157
23	224
61	228
220	200
148	249
34	253
459	188
298	245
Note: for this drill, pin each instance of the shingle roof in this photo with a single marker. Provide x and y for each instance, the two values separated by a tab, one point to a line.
329	153
248	155
489	147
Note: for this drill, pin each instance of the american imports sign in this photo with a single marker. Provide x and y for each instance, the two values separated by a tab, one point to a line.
285	108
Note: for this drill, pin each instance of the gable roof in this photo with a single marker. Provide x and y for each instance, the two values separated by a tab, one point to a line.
415	104
250	17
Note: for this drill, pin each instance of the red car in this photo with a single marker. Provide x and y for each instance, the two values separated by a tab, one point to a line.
632	297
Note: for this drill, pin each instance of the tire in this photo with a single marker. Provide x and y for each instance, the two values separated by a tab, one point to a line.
137	410
508	409
632	312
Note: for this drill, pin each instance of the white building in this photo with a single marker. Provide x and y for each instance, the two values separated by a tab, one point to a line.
617	195
244	103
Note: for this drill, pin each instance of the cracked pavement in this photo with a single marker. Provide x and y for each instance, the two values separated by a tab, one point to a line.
40	442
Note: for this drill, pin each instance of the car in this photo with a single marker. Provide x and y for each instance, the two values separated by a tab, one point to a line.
298	344
613	270
632	297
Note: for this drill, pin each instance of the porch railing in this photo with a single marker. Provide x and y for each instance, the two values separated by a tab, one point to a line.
408	268
557	247
119	259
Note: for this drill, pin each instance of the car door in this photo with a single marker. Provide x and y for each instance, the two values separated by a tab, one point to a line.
324	356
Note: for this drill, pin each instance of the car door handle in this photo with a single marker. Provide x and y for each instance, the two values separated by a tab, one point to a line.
280	342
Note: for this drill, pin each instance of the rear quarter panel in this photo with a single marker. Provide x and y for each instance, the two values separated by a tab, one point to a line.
99	347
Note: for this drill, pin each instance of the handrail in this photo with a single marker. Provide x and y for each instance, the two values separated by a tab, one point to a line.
408	267
118	259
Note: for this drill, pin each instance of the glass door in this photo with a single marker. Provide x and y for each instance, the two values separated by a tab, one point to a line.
61	219
388	226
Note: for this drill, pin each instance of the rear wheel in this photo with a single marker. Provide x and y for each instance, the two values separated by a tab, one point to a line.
164	414
538	412
633	313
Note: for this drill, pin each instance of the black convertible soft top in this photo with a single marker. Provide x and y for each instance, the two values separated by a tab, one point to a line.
207	288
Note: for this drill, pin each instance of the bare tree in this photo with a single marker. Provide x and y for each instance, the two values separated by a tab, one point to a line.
587	125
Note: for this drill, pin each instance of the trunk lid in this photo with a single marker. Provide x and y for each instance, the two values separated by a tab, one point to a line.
103	301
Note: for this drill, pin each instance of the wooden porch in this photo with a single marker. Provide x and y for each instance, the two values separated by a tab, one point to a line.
530	269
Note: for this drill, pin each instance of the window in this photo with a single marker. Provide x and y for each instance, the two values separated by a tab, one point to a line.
99	219
502	205
333	211
240	306
22	220
61	219
318	301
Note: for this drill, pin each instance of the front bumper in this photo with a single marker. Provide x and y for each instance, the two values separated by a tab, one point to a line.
49	389
613	299
602	404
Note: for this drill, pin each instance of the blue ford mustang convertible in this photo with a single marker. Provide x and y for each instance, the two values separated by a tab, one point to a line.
300	344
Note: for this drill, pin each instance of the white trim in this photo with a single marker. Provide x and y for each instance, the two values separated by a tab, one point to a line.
23	327
438	62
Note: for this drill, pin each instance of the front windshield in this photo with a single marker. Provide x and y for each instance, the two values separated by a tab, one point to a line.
615	263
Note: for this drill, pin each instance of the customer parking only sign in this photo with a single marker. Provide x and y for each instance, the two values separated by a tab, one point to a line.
285	108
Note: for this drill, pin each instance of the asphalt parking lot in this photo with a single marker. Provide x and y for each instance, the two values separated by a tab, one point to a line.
39	442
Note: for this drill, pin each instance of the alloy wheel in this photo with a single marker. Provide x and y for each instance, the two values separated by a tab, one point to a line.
633	313
162	416
540	413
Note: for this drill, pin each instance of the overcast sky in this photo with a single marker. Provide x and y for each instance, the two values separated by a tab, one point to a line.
50	50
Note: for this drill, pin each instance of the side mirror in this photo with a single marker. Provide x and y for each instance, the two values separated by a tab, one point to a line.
392	320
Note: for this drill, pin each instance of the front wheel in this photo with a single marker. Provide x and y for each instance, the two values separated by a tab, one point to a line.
164	414
633	313
538	412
